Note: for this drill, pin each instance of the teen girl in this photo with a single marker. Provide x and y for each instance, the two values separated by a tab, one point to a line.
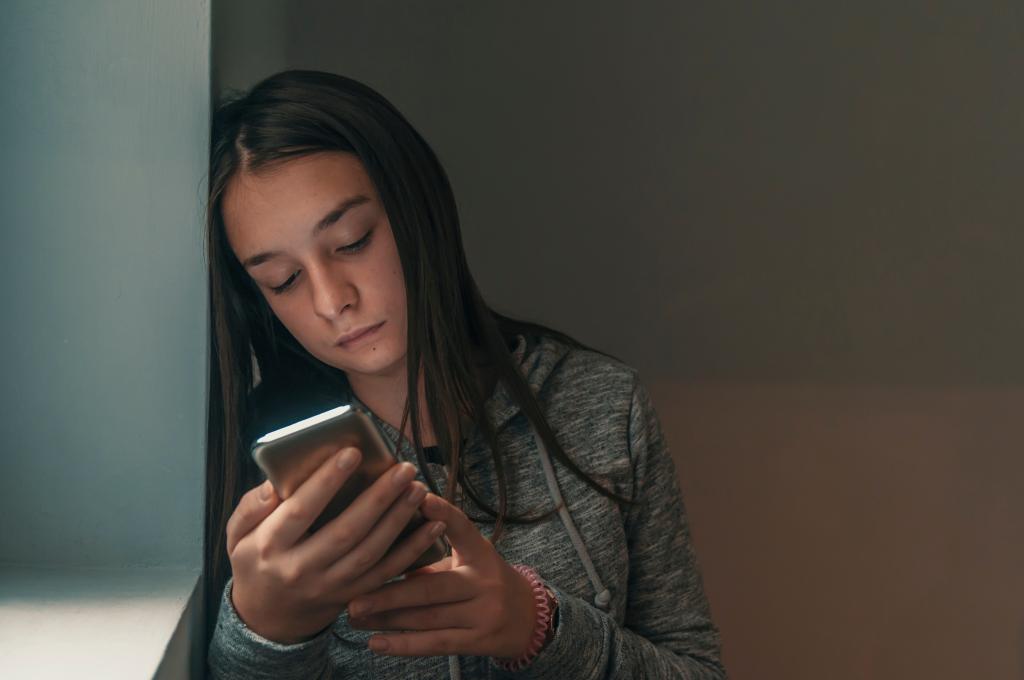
337	274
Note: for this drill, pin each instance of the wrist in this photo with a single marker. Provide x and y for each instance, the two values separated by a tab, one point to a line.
545	611
270	633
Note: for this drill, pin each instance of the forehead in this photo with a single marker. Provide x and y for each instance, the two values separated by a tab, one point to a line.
289	198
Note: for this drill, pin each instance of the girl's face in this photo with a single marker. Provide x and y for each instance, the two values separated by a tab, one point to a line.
316	239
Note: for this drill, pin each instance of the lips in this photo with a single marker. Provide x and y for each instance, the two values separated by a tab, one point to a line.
358	334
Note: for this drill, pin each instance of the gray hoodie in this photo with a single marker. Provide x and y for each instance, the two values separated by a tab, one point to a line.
631	598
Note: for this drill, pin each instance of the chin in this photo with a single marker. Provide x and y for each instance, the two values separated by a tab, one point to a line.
368	361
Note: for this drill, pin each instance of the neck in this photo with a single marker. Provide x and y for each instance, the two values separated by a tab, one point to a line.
386	395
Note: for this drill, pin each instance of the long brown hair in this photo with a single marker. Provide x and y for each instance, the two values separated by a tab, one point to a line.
297	113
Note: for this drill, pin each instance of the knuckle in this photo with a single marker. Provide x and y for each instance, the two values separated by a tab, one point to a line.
346	584
235	548
290	575
398	514
344	539
237	517
380	502
446	507
361	561
264	549
373	579
230	544
229	528
457	514
264	571
294	512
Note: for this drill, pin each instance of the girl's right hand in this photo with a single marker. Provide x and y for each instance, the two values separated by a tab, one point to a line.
290	585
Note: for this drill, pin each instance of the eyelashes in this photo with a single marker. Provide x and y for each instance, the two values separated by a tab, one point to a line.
358	245
277	290
348	250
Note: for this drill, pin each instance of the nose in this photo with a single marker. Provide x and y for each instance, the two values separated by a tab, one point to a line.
332	291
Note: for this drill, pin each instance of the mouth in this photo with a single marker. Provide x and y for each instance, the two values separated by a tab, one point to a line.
357	336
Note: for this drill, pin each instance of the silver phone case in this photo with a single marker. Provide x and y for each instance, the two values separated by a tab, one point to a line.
289	455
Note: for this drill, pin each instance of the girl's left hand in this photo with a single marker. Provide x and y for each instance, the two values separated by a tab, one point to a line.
473	603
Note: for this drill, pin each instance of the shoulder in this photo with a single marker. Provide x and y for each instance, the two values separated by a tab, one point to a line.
580	370
588	388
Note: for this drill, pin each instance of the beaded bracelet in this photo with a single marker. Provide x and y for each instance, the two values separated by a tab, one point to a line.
545	602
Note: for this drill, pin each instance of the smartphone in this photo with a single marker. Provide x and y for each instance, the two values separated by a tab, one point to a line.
289	455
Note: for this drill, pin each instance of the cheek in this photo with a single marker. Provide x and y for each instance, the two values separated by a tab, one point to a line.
291	317
397	289
391	282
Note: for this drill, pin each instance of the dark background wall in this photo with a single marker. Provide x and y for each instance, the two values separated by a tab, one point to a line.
801	222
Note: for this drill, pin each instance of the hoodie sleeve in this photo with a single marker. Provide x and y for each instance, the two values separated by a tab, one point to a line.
238	653
667	631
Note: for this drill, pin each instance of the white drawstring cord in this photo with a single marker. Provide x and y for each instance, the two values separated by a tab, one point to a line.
603	597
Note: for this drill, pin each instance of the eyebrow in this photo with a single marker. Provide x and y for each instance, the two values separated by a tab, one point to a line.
326	221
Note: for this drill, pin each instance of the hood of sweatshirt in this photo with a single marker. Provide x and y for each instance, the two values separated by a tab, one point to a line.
536	357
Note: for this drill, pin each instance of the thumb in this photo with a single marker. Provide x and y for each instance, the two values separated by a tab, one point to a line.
266	491
465	538
252	509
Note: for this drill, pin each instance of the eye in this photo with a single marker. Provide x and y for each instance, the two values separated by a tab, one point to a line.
358	245
350	248
277	290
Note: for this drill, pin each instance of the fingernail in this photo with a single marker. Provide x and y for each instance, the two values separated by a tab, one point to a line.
265	490
437	529
404	473
378	644
348	459
416	494
355	610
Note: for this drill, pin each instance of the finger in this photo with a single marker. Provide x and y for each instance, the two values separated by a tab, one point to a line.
252	509
462	533
432	617
448	586
430	643
298	512
443	564
372	547
399	557
342	534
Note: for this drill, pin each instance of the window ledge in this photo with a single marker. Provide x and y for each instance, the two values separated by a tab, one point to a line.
96	622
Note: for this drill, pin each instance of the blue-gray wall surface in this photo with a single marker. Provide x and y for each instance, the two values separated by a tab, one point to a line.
105	131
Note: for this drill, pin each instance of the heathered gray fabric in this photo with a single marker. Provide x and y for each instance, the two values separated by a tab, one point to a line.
658	624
